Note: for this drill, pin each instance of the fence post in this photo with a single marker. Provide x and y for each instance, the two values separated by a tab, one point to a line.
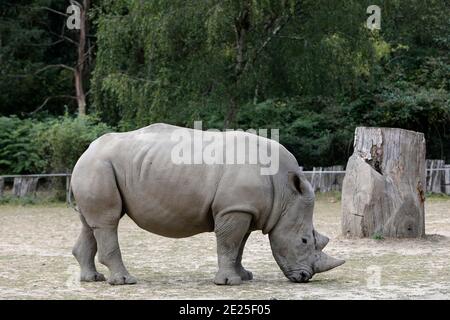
447	179
435	175
2	186
67	189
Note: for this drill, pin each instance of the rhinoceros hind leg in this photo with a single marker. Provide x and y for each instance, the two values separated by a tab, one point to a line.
244	273
84	251
100	203
230	229
110	256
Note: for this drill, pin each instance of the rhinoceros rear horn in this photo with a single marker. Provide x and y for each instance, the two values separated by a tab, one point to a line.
325	263
321	240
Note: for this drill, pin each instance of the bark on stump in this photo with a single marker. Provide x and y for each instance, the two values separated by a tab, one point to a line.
25	186
383	191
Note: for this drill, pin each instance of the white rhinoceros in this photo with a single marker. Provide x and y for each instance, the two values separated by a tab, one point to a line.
134	173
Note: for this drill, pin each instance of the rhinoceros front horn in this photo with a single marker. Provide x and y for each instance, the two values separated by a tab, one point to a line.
325	263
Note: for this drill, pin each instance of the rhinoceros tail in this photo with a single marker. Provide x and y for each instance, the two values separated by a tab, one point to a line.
69	199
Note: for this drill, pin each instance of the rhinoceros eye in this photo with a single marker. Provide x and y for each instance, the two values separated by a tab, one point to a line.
304	240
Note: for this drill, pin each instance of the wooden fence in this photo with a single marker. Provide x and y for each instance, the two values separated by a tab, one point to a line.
326	179
27	185
323	179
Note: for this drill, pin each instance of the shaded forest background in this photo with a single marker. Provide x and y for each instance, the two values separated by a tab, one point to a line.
308	67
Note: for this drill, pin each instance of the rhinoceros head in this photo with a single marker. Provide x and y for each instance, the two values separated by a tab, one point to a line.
296	246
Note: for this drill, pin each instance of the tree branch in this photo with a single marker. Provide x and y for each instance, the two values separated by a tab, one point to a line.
279	23
50	98
63	66
52	10
290	37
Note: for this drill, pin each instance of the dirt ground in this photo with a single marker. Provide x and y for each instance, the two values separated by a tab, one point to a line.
36	261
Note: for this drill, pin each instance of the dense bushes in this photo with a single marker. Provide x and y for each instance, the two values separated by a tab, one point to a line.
51	145
19	152
311	128
313	71
63	140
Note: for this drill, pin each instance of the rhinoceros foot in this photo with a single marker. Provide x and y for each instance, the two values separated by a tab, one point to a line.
228	278
119	279
92	276
245	274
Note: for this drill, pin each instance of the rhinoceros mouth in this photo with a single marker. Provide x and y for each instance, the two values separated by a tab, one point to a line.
299	276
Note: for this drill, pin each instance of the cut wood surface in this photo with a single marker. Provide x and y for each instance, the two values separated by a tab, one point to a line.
384	187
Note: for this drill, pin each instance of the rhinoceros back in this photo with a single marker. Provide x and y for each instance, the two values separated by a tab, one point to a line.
175	200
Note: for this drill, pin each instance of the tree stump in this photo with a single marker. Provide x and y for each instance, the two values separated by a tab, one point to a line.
383	191
2	186
25	186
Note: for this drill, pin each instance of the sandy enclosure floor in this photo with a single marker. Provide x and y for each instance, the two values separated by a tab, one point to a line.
36	261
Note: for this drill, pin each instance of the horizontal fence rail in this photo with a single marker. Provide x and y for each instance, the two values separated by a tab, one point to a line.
50	175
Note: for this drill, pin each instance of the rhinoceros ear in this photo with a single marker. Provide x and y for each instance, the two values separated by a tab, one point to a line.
295	182
299	183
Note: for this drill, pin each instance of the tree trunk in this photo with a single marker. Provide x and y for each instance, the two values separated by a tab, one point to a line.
241	27
384	186
82	60
25	186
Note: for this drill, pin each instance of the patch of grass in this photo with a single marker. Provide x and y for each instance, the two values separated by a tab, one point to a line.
28	201
437	196
377	236
332	196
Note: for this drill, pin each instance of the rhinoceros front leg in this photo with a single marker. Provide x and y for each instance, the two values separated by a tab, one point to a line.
231	229
245	274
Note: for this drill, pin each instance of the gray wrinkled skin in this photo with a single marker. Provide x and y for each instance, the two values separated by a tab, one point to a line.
132	173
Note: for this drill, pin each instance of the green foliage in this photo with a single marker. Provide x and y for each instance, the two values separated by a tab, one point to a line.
63	140
26	201
177	61
52	145
377	236
315	80
309	127
18	151
312	70
29	41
